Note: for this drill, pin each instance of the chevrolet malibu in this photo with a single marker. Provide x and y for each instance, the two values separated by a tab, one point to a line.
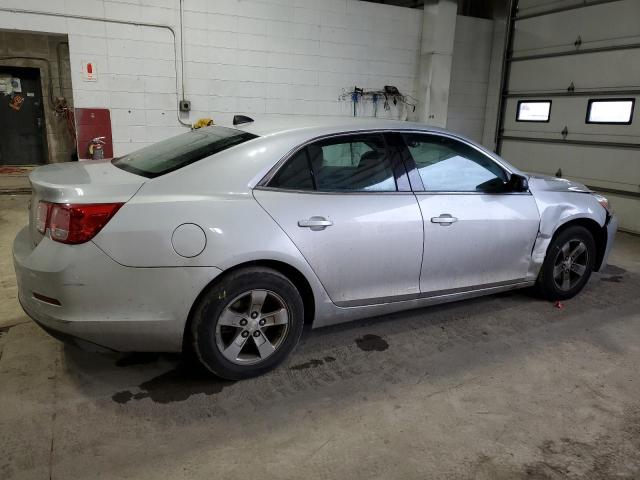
225	241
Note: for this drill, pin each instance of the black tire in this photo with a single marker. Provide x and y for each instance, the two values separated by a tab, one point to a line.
206	338
546	285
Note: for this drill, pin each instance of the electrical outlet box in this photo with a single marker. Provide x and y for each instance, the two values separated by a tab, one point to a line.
184	105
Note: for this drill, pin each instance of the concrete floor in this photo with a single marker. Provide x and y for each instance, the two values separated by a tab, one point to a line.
15	180
501	387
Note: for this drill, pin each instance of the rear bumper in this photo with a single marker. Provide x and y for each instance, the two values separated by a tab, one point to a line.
56	329
102	302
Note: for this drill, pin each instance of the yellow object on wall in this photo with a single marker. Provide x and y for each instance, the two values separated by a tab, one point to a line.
202	122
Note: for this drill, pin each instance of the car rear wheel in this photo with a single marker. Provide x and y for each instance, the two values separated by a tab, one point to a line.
568	264
247	323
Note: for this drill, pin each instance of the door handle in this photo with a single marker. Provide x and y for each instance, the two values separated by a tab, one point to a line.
444	219
315	223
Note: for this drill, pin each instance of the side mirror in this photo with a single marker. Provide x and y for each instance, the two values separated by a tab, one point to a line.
518	183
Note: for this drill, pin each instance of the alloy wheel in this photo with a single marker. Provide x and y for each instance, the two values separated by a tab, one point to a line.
252	327
570	265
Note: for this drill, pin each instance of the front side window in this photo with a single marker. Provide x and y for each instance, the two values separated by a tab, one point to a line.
447	165
354	163
181	150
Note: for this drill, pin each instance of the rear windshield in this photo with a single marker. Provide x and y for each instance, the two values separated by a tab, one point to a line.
176	152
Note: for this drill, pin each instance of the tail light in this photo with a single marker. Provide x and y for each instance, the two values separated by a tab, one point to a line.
74	223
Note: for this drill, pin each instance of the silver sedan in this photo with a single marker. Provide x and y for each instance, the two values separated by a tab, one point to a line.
225	241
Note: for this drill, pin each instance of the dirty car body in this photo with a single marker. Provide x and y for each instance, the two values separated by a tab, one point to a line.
363	217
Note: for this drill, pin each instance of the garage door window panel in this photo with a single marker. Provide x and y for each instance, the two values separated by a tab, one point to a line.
618	111
537	111
447	165
352	164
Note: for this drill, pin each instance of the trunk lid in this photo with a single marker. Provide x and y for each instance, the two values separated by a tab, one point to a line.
80	182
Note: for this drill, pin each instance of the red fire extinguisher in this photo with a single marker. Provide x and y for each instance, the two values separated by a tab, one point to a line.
96	148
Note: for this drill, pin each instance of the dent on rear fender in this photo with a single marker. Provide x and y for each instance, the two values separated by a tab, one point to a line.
556	211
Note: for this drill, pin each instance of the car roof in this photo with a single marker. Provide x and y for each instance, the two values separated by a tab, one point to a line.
297	129
241	167
326	124
301	128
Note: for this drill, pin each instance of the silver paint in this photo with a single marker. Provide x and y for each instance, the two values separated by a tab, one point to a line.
188	240
368	230
490	242
128	289
560	201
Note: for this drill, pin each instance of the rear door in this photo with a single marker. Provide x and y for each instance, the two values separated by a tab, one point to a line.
346	204
476	233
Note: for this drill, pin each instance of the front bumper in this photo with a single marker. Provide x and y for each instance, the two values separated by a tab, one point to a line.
102	302
612	228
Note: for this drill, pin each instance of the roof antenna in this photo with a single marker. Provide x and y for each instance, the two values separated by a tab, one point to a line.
240	119
559	173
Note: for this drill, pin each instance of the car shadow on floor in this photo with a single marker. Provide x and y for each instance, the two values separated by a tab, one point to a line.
336	353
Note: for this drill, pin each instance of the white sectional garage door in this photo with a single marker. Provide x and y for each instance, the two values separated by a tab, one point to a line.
567	56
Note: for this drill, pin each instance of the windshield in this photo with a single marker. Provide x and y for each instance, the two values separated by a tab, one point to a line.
176	152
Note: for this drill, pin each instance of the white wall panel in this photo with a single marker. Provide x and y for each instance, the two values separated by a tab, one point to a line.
234	51
470	76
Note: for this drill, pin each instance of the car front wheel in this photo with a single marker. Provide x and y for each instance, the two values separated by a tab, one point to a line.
568	264
247	323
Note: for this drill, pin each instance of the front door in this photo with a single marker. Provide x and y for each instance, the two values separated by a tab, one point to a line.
477	233
22	141
339	202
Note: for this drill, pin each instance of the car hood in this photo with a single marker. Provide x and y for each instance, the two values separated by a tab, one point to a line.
555	184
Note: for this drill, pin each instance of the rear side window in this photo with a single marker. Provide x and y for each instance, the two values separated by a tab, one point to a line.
358	163
350	163
295	174
179	151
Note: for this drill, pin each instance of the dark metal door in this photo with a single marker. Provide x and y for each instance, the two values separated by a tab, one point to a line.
22	128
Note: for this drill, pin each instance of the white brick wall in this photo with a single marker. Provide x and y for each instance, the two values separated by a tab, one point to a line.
470	76
241	56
